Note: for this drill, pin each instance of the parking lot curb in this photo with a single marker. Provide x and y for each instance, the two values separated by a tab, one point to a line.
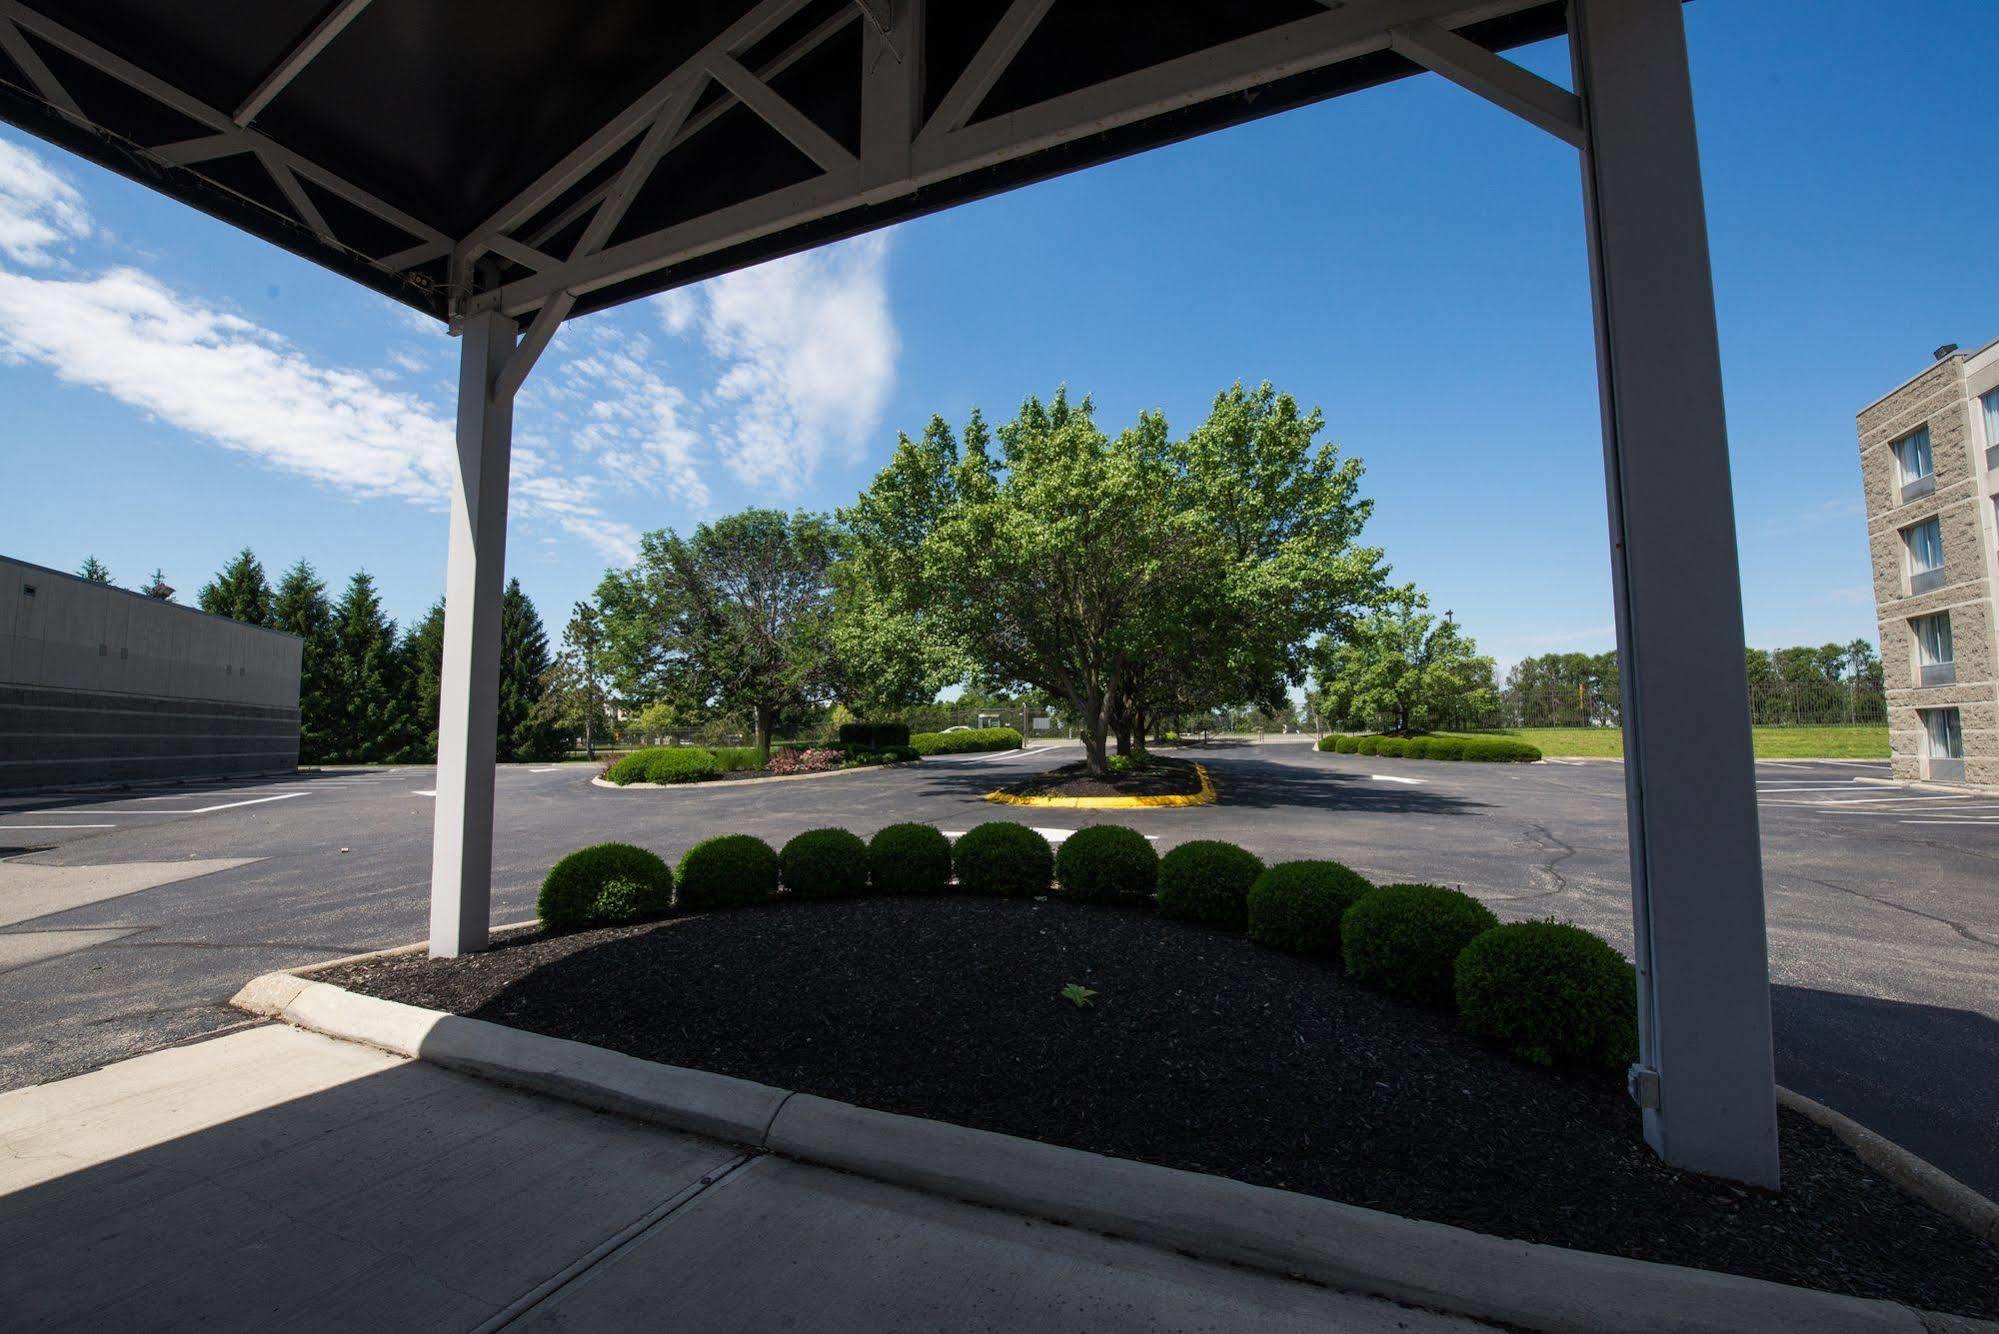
1917	1176
1434	1265
709	784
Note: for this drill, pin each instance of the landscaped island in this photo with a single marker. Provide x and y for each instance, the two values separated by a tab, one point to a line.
860	745
1291	1026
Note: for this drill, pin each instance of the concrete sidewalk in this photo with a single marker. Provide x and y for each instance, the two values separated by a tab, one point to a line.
275	1177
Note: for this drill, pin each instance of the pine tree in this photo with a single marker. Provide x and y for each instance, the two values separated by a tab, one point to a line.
371	720
300	607
423	677
94	571
526	732
159	590
239	591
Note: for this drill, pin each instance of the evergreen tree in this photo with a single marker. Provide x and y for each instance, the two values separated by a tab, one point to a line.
300	607
159	589
239	591
371	720
94	571
423	675
526	731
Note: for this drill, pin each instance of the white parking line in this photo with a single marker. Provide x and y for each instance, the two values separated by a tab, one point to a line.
1052	835
1391	778
204	810
5	827
553	768
425	792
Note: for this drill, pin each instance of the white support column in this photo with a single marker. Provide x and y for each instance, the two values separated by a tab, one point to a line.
461	863
1705	1070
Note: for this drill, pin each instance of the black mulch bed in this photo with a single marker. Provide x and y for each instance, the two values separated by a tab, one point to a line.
1202	1052
1163	777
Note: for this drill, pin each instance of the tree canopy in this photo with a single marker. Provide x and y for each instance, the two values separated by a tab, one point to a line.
239	591
1403	670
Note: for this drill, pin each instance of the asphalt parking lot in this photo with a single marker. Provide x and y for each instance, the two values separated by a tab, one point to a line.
1883	911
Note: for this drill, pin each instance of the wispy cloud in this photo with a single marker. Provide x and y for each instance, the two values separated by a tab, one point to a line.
39	210
807	351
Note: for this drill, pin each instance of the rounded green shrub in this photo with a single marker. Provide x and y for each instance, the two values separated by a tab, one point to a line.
680	764
1444	748
1346	745
1296	906
571	890
1328	743
628	768
909	859
1367	745
727	871
1393	746
620	901
970	740
1500	749
1208	881
824	864
1001	857
1107	863
1404	939
1550	993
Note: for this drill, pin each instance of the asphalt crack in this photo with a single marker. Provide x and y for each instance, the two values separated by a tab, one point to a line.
1959	927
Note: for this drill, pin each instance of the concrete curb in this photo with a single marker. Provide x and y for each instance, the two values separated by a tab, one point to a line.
1361	1250
1917	1176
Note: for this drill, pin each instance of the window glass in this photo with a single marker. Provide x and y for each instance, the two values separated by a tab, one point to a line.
1943	735
1933	639
1991	403
1913	455
1925	546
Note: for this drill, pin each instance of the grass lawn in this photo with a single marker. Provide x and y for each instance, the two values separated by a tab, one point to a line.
1838	741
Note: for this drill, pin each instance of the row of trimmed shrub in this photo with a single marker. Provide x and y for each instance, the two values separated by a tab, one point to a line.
691	764
1502	749
967	741
1546	991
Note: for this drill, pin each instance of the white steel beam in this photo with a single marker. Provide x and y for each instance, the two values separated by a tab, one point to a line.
1495	78
637	171
31	64
618	131
298	58
1359	27
1704	1076
797	128
1002	44
227	137
308	212
891	93
461	863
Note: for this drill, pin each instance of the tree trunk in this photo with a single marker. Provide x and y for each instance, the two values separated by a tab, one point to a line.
1091	713
1124	734
589	746
762	714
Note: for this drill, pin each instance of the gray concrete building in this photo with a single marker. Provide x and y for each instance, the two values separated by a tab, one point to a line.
1929	460
103	685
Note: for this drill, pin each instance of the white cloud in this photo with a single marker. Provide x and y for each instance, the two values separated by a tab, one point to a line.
807	348
620	413
39	210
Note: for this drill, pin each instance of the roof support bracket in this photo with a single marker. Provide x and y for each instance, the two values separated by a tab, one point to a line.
1499	81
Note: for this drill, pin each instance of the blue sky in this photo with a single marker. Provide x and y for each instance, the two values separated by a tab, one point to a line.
1409	258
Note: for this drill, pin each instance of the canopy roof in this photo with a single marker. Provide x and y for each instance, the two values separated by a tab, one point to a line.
461	155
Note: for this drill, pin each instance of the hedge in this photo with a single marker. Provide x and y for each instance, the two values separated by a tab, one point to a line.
727	871
573	893
1107	863
874	736
961	743
665	764
1208	881
824	864
1502	749
1367	745
1296	906
909	859
1405	939
1001	857
1549	993
735	759
1488	748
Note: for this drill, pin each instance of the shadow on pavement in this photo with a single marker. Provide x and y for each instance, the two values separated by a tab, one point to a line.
1926	1076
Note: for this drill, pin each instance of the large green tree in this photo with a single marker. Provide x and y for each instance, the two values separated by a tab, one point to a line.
526	732
300	607
1404	670
733	619
371	722
239	591
576	699
423	680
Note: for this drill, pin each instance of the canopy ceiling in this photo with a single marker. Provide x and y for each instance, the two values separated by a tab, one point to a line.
474	154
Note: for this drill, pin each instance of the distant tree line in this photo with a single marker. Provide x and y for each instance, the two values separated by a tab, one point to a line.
368	690
1833	683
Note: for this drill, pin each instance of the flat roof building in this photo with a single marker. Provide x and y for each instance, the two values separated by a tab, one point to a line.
1929	462
103	685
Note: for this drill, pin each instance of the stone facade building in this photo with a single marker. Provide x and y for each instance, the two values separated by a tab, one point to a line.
1929	461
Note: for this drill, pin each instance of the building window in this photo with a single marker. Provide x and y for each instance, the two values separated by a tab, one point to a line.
1943	734
1936	661
1912	456
1925	546
1990	402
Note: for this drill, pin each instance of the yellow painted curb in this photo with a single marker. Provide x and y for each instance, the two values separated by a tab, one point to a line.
1205	797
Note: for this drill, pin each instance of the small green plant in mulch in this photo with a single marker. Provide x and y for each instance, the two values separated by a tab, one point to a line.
1079	995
